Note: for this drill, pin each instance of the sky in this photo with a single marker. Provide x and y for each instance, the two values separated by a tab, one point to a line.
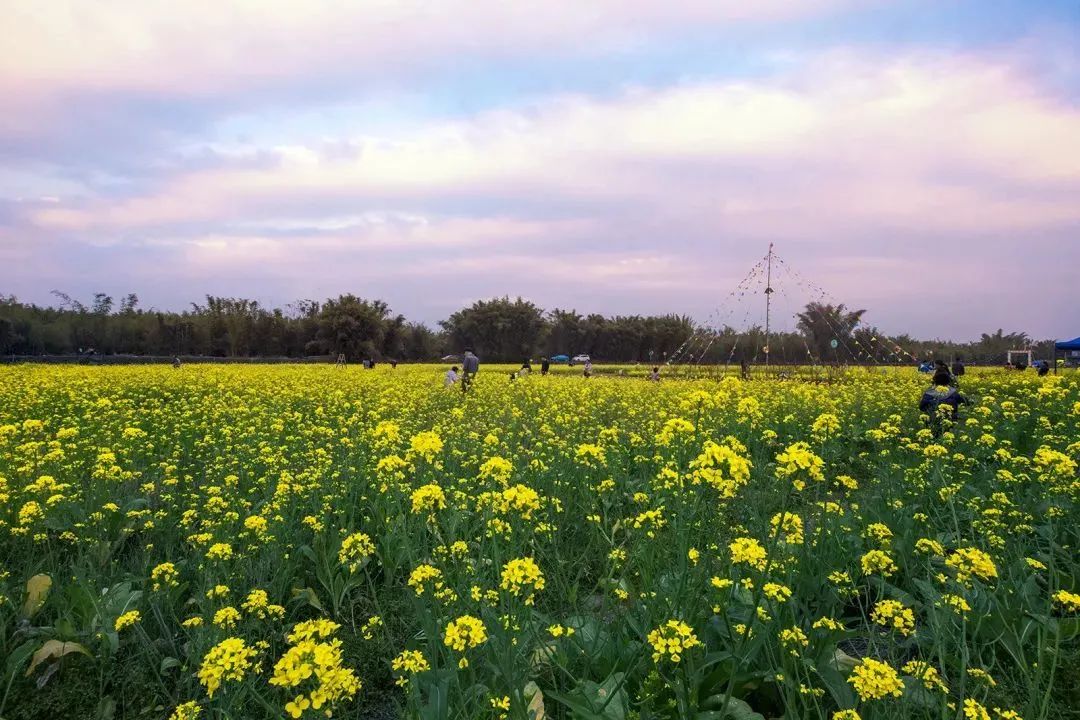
917	159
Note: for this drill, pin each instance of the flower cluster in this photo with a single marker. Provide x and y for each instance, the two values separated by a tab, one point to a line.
671	640
229	660
313	665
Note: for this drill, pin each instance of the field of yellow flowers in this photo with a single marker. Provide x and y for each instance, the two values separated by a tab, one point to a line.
301	541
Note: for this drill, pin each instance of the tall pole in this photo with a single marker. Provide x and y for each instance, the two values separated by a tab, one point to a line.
768	300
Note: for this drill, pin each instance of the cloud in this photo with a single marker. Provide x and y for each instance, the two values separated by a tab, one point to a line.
910	180
847	144
143	58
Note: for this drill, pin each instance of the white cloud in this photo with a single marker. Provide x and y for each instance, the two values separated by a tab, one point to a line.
847	144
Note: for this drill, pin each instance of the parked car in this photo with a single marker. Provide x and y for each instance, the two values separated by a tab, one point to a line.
579	359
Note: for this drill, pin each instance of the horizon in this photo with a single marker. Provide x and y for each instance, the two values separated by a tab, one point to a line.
633	158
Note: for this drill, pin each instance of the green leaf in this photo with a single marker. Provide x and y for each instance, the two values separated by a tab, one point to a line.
107	708
37	589
167	663
55	649
735	709
590	701
1069	627
309	596
18	656
843	662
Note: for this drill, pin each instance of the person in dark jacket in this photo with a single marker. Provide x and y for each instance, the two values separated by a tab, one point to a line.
545	366
470	365
939	393
958	367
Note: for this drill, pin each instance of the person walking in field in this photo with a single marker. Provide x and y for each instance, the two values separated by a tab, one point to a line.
545	366
588	369
470	365
958	368
451	377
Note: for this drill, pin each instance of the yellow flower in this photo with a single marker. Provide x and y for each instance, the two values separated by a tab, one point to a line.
219	551
749	551
957	603
296	707
428	499
229	660
186	711
464	633
790	525
560	631
1070	602
825	426
427	445
877	562
591	455
793	638
971	562
418	578
409	662
312	629
522	576
722	466
164	575
929	675
892	614
218	591
927	546
495	468
874	680
827	623
355	550
974	711
846	715
671	639
127	620
226	617
776	591
798	463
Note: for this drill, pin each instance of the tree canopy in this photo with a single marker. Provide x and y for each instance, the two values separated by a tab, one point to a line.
498	329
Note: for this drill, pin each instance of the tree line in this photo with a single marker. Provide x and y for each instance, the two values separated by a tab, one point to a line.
499	330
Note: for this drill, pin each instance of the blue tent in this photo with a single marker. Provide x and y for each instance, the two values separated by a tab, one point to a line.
1071	348
560	358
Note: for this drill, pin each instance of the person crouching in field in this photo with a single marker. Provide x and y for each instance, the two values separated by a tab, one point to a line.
451	377
940	394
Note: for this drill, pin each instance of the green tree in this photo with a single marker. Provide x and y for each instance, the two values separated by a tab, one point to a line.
498	330
821	323
353	326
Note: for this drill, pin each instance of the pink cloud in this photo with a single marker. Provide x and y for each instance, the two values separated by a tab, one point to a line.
847	144
214	48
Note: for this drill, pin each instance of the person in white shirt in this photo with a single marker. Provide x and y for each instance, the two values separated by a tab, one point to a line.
451	376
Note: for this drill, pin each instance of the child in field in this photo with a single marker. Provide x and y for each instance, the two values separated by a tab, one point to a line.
451	376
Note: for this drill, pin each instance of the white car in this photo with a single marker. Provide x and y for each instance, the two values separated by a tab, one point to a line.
580	359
